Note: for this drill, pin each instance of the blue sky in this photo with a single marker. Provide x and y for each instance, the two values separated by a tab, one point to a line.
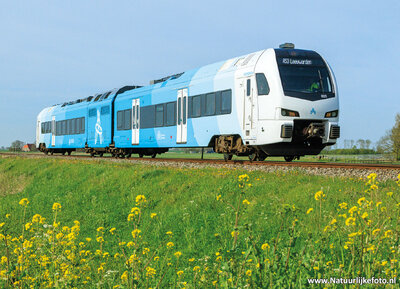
54	51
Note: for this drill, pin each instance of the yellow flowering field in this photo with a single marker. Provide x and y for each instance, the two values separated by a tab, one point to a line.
251	241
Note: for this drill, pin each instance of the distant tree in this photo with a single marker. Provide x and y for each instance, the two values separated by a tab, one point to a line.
352	143
361	143
390	142
367	143
2	148
16	145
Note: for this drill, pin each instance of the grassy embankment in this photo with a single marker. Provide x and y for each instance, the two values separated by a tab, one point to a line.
285	232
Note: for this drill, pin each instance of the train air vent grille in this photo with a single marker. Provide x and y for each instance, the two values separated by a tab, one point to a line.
286	131
335	132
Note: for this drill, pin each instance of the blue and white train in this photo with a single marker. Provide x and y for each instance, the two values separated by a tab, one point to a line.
274	102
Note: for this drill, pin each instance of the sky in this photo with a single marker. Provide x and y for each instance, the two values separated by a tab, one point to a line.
57	51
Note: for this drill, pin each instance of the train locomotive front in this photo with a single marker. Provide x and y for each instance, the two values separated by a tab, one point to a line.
290	104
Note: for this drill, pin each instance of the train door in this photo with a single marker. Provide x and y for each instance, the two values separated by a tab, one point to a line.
38	133
181	116
135	121
53	131
249	104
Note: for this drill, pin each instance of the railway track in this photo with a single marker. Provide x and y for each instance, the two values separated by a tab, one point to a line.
359	166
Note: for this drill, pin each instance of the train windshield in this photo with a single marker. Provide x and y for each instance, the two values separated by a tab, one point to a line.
305	79
304	74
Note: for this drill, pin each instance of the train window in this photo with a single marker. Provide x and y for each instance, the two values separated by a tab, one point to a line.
105	110
48	130
147	116
107	95
127	119
120	119
248	86
77	125
42	128
179	111
82	125
210	104
69	126
92	112
170	114
159	115
97	97
57	127
184	109
226	102
196	106
64	127
262	84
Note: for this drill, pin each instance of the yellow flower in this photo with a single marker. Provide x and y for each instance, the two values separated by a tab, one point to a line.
389	194
136	233
218	197
56	206
177	254
310	210
246	202
353	209
343	205
140	199
191	260
316	268
360	201
169	233
135	210
196	268
364	215
28	226
248	273
179	273
333	222
354	234
371	248
388	233
88	239
112	230
124	276
150	272
376	231
243	178
265	246
100	239
319	196
24	202
350	221
234	232
153	215
100	229
170	244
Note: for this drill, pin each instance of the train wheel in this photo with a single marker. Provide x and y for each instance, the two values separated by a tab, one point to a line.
253	157
46	152
51	152
262	157
92	155
100	154
69	153
63	153
153	156
289	158
228	157
140	155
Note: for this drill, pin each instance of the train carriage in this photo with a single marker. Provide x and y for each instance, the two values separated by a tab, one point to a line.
275	102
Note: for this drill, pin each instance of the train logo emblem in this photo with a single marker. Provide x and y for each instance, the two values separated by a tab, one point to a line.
313	111
99	129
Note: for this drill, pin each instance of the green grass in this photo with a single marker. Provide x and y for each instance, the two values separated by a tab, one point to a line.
101	194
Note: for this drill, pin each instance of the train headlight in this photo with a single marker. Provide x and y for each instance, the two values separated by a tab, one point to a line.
333	113
286	112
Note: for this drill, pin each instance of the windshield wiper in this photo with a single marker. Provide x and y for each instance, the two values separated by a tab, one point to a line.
320	81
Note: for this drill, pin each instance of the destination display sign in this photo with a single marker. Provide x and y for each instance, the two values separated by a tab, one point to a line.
300	61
